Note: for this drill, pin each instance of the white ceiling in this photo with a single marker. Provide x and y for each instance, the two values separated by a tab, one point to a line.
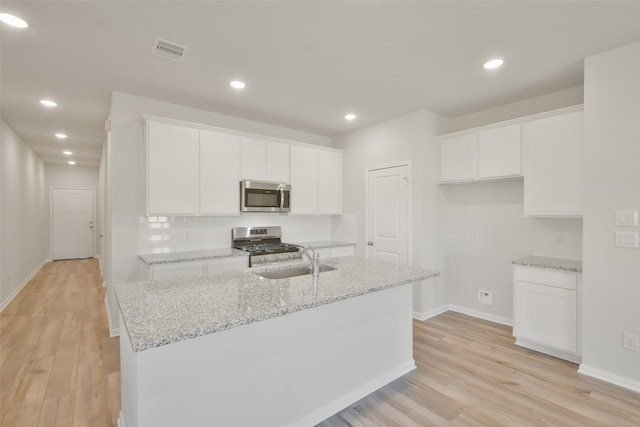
305	63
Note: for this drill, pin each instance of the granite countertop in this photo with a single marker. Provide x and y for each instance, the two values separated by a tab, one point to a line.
321	244
550	263
161	312
185	256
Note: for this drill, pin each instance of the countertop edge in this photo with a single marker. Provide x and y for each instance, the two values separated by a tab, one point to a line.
550	263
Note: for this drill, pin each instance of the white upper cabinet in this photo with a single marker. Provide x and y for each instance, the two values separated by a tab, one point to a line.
197	169
265	160
253	159
499	152
553	166
304	181
483	155
277	161
458	158
330	183
172	169
219	173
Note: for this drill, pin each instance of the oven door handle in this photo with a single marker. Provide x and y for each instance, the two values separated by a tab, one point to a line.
281	191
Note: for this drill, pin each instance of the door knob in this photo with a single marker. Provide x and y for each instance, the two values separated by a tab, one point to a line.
91	226
370	243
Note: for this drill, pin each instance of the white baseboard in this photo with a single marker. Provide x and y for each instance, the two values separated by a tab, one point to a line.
343	401
6	302
424	315
113	332
627	383
481	315
120	420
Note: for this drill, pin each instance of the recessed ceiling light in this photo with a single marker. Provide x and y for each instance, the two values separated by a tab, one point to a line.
494	63
48	103
237	84
67	153
350	116
71	162
12	20
61	135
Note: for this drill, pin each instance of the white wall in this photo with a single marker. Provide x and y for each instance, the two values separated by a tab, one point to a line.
495	210
611	280
68	176
410	137
126	225
23	225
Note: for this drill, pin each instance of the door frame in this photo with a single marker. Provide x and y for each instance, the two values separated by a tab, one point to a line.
369	169
93	197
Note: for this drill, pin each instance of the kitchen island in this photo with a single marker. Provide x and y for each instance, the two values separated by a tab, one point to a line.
237	349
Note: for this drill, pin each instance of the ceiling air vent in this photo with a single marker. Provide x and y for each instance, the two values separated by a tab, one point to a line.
169	50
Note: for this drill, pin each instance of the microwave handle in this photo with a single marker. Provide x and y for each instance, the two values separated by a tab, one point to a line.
281	191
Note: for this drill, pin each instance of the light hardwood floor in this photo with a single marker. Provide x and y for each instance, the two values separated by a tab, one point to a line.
58	367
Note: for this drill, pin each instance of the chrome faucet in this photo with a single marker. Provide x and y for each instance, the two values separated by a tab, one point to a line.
314	259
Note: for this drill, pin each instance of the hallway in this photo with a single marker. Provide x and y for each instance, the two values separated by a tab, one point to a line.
58	365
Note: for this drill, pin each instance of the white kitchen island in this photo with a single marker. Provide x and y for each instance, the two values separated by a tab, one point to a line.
234	349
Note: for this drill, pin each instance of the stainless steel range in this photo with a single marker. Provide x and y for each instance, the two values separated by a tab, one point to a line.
264	245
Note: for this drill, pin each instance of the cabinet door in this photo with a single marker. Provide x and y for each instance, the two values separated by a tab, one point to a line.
219	173
546	315
458	158
166	271
277	162
172	169
499	153
304	181
330	173
253	159
337	251
221	265
553	166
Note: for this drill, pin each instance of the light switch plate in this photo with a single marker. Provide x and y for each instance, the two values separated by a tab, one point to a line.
627	239
626	218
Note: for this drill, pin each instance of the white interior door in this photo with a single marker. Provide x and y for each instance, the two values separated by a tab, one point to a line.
73	223
388	214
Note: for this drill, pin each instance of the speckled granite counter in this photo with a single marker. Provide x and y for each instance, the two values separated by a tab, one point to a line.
550	263
160	312
321	244
185	256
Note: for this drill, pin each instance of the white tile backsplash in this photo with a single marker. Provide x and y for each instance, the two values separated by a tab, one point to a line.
182	233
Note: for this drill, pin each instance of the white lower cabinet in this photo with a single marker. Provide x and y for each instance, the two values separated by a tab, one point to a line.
336	251
177	269
221	265
546	311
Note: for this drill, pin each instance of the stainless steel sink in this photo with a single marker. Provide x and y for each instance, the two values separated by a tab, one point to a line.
285	273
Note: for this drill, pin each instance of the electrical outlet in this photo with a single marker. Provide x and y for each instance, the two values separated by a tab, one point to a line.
631	341
485	297
475	235
559	239
186	235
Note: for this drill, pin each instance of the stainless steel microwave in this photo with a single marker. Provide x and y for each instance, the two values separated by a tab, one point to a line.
261	196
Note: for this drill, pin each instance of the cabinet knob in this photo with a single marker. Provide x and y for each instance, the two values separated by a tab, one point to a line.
370	243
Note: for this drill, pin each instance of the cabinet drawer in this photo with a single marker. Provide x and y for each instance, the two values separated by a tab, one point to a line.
558	279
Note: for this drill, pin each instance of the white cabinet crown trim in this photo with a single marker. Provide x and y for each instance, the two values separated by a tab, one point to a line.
515	121
201	126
